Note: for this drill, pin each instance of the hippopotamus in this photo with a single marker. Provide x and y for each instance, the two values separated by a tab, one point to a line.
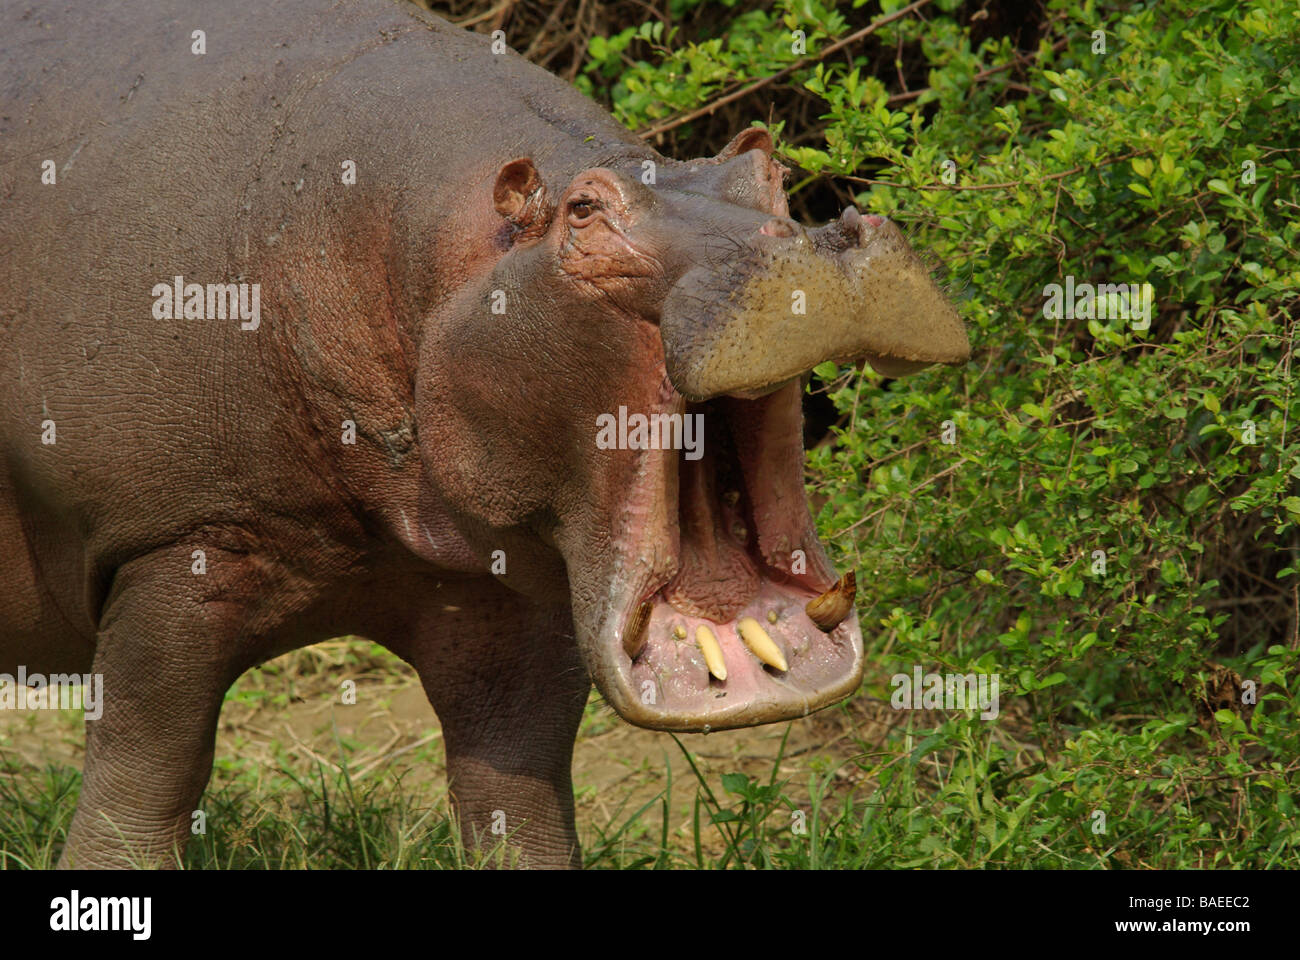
324	319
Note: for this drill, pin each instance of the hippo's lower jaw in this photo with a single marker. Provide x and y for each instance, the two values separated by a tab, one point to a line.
673	686
722	636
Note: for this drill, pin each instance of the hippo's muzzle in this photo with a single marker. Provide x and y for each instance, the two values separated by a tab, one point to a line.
792	298
747	622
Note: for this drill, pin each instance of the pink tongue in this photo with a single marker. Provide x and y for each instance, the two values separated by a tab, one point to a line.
716	579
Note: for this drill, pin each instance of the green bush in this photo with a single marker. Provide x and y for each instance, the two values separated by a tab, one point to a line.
1113	529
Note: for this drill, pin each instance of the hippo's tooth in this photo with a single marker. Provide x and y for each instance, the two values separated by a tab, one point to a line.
634	640
708	645
760	644
830	609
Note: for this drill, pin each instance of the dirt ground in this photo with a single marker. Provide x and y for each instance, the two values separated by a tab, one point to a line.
283	716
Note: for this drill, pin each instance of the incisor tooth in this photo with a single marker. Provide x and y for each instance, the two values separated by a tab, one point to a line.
634	640
760	644
679	632
830	609
708	645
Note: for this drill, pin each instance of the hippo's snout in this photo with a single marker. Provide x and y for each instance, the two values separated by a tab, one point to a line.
792	298
853	230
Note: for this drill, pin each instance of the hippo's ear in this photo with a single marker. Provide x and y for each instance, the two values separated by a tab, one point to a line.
520	197
755	138
761	184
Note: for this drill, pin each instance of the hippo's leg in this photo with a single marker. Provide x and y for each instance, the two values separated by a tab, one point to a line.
509	688
164	653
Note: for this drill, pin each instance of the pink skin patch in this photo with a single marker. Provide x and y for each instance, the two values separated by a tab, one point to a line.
777	227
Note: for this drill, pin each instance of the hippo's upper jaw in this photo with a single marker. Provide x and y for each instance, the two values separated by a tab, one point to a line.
851	290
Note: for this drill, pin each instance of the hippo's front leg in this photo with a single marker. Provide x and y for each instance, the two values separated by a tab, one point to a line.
167	649
509	688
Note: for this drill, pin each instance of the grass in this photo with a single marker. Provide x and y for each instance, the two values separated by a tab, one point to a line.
876	788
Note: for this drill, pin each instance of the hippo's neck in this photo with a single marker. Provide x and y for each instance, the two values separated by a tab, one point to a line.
353	268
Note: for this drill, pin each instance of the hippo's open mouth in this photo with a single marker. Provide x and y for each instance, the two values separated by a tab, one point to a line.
725	635
721	608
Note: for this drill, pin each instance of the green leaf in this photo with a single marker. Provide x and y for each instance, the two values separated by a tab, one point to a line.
736	783
1196	498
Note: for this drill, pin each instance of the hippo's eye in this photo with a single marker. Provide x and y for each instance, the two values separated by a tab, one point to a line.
582	210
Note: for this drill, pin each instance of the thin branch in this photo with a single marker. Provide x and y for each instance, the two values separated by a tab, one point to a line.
784	72
924	483
991	186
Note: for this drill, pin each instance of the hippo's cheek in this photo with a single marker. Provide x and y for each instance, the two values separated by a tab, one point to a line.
603	255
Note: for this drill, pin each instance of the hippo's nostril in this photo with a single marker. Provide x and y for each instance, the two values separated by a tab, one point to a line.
870	227
776	227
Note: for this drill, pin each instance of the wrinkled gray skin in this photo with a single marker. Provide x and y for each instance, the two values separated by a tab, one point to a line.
475	173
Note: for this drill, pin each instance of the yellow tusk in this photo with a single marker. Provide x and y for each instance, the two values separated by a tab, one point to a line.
760	644
708	645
